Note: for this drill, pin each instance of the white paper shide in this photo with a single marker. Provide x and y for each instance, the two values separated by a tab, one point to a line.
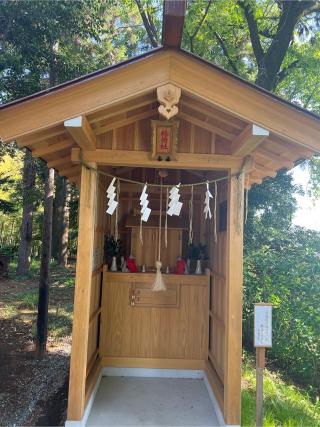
111	195
174	205
144	202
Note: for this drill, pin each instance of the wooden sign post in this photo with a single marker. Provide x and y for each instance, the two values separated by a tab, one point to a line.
262	339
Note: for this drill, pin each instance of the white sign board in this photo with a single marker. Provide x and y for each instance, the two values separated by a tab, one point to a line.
263	325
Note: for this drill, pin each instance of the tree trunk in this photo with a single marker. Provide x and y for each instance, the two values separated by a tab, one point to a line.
58	208
25	245
63	252
43	303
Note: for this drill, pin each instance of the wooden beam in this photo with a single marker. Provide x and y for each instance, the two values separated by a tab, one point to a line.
36	137
130	105
248	140
173	21
53	148
251	105
263	170
59	162
233	305
278	160
211	112
70	171
109	89
206	125
195	78
81	313
124	122
143	159
80	130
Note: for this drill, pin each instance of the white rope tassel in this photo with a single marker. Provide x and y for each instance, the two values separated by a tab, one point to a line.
116	231
159	284
215	210
191	217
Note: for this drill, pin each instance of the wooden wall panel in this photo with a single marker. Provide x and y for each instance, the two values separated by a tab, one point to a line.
202	141
105	140
125	137
144	135
184	137
218	264
151	332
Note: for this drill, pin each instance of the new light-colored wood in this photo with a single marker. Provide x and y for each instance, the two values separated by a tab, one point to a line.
46	149
92	379
72	170
193	76
125	107
206	125
147	254
144	362
248	140
60	161
143	159
124	122
80	130
168	96
249	104
187	279
154	332
78	366
233	313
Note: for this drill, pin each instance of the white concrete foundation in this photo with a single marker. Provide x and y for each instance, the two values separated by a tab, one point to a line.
136	401
151	397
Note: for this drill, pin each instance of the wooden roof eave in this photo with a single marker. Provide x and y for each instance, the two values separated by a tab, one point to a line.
208	85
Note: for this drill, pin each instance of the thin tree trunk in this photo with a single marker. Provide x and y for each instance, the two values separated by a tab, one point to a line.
43	303
25	245
58	208
63	252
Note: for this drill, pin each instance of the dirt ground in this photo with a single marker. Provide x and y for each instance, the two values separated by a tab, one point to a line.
34	392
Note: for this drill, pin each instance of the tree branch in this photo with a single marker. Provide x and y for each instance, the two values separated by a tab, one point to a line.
285	71
193	35
253	29
148	24
225	52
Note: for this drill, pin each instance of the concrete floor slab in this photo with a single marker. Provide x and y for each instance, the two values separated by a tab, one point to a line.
153	402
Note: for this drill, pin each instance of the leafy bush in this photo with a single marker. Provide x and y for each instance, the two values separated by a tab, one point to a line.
285	271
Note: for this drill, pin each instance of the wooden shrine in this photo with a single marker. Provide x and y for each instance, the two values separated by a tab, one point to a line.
230	133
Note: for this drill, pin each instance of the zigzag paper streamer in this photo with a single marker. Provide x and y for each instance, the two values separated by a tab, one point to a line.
174	204
111	195
207	210
144	202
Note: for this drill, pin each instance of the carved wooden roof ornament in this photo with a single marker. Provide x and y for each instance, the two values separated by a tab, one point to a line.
168	96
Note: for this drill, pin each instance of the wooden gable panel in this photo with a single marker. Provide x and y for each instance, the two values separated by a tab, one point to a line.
125	137
184	137
202	141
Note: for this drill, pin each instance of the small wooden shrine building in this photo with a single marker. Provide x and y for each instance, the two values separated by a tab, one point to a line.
230	133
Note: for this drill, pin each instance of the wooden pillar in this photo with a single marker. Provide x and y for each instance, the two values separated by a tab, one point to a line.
233	320
87	210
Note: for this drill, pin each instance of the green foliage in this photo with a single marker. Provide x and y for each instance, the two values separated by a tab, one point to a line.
8	250
196	252
282	266
284	404
112	248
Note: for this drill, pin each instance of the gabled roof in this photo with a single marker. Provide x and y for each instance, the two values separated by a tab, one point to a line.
214	99
133	59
